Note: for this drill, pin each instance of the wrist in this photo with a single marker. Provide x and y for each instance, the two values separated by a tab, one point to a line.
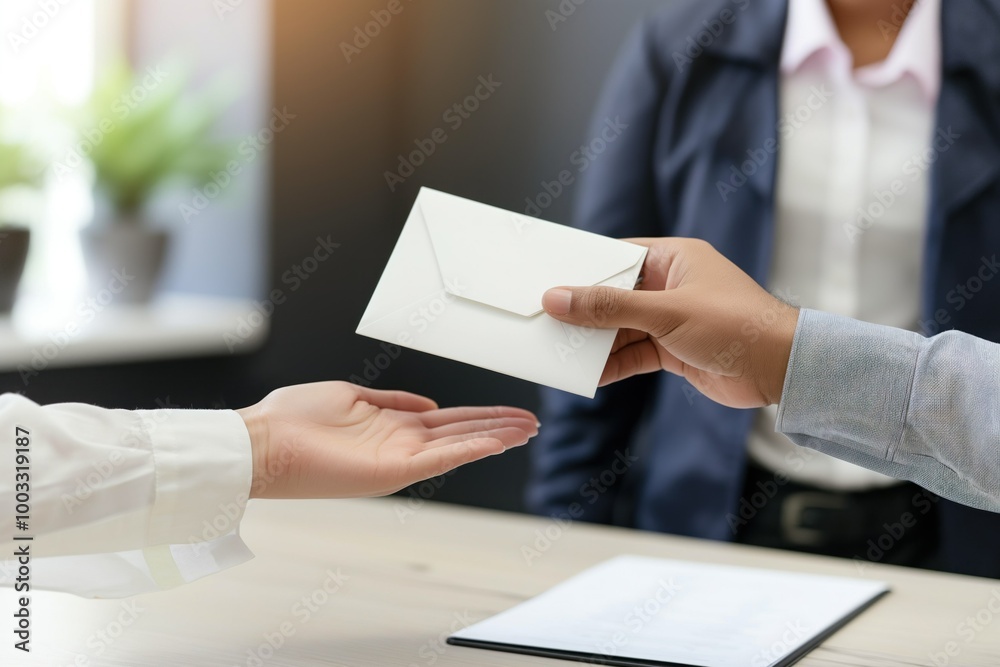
256	424
779	354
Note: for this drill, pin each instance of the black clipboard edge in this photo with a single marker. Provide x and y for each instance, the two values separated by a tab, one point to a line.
575	656
614	661
813	643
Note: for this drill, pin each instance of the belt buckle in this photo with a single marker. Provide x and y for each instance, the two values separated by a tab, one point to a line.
792	509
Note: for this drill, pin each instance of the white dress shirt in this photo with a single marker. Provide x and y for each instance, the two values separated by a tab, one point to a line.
852	194
121	502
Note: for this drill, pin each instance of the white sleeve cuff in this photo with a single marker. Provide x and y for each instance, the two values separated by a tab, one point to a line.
204	469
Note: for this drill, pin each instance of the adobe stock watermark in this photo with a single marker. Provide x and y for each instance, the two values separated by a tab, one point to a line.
420	319
589	492
121	108
86	312
912	170
791	636
418	495
33	24
365	35
579	335
891	27
961	294
967	630
748	507
562	13
300	613
435	647
879	547
101	640
752	331
636	620
786	127
454	117
579	162
230	513
223	8
293	278
247	152
136	437
711	30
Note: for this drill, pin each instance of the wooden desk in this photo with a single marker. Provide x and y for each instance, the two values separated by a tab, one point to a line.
403	580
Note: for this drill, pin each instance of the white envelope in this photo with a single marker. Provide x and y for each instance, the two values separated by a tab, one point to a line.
465	282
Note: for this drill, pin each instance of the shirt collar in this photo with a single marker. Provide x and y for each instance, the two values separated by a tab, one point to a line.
810	32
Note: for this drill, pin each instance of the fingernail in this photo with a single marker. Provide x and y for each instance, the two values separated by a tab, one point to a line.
557	301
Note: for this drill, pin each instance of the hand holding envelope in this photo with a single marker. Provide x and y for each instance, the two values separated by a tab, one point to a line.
466	280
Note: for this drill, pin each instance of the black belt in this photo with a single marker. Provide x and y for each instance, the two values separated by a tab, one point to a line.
896	524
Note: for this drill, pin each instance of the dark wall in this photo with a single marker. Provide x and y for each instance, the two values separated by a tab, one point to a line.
352	122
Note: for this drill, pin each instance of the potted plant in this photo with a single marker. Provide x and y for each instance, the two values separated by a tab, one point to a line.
20	166
142	132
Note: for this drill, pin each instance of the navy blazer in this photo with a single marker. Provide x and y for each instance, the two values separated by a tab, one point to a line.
697	85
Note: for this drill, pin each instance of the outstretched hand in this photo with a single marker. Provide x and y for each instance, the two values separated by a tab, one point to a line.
696	315
339	440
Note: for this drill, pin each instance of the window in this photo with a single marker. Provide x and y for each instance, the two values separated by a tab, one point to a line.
52	54
48	65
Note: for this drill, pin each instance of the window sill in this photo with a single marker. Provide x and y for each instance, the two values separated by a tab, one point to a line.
36	336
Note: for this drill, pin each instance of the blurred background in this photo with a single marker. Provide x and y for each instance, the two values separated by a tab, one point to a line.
204	193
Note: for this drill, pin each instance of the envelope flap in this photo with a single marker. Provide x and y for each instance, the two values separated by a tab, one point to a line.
508	261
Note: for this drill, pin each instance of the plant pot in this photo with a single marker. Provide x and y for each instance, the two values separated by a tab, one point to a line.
124	261
13	254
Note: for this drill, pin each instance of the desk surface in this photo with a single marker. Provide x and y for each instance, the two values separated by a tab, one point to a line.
404	576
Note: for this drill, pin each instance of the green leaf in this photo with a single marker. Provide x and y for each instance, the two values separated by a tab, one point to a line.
142	138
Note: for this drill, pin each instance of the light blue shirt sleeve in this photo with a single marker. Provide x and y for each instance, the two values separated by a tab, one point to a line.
922	409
